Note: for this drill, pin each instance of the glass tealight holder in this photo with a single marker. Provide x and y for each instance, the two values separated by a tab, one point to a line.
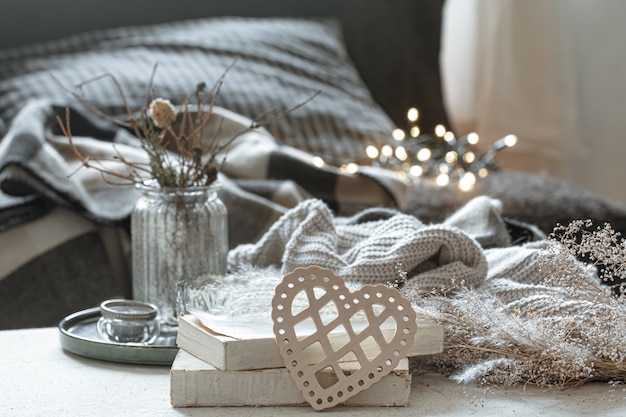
128	321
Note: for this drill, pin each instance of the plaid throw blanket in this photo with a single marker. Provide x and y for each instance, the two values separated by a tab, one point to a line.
261	179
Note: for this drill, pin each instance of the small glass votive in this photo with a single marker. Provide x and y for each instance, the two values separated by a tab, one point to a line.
128	321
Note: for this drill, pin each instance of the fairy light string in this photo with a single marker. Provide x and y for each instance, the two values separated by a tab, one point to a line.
438	156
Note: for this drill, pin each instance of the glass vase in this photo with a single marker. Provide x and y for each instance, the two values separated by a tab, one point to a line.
179	244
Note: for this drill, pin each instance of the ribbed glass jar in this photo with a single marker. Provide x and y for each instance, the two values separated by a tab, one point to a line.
179	244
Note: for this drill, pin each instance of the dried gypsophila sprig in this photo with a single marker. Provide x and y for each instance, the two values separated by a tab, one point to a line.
570	331
178	152
598	245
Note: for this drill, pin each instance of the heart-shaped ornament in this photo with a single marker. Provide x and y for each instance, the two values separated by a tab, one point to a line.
313	311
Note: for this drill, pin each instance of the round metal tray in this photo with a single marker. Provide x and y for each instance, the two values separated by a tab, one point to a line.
79	335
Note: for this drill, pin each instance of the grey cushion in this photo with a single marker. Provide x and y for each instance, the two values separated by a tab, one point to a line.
281	62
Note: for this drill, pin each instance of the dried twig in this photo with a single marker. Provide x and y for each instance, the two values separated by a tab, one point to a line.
179	154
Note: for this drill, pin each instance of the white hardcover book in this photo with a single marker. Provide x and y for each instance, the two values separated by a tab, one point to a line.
195	383
224	352
259	351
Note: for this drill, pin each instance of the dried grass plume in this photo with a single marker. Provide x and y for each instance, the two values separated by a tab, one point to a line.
565	331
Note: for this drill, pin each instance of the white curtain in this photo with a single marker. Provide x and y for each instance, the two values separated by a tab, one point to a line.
507	68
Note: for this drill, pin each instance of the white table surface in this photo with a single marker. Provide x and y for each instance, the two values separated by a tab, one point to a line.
40	379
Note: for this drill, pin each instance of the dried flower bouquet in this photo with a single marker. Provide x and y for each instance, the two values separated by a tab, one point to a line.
179	152
567	330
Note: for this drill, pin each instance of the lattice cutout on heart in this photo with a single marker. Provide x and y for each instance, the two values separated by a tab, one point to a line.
319	324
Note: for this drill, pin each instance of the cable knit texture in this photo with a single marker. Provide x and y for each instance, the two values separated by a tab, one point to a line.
368	250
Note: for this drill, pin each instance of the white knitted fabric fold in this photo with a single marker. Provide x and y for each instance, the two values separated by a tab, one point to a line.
371	252
518	263
516	279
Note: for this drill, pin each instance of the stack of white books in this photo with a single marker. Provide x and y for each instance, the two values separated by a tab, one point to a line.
245	368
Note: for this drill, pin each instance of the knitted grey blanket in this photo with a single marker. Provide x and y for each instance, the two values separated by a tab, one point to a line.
471	249
379	246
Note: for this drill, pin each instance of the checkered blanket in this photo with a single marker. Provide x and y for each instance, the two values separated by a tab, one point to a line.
260	181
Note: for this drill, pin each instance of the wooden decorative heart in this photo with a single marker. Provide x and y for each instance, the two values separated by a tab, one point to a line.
314	311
